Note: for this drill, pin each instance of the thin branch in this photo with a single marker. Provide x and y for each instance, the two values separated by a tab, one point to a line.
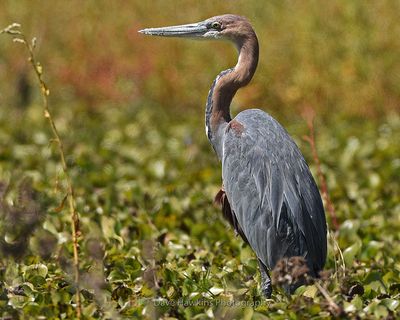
15	31
332	304
338	256
309	115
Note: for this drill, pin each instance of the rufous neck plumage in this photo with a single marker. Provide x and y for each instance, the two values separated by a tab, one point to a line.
224	88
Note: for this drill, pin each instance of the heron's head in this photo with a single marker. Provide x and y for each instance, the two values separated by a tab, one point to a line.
230	27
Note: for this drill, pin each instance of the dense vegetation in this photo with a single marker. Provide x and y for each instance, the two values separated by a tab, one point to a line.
130	113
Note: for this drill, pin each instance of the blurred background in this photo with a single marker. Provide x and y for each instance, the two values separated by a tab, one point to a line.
130	110
340	57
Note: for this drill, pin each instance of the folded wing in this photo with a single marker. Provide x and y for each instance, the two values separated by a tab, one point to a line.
272	192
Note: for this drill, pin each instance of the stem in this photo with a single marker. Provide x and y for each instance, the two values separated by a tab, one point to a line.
308	114
334	307
14	30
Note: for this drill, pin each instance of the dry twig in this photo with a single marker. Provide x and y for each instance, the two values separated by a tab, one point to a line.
18	36
309	115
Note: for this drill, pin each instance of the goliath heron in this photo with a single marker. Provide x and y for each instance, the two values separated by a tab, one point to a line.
268	193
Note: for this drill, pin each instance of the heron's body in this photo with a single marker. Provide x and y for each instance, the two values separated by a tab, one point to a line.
269	195
271	191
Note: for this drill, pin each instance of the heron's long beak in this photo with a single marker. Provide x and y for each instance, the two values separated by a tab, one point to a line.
192	30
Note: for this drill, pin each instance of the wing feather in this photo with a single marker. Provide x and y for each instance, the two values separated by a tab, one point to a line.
272	192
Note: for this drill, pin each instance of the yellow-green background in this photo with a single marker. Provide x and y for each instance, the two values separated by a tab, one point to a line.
130	110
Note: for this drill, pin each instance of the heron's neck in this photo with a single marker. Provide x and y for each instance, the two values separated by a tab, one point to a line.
224	89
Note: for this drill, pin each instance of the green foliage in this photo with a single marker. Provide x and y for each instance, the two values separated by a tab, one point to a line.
153	245
145	184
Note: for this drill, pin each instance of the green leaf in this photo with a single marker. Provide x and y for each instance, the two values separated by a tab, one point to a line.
391	304
350	253
35	270
310	291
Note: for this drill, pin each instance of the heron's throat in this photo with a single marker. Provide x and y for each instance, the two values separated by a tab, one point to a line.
224	88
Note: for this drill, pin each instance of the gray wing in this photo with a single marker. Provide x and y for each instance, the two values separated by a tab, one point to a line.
272	192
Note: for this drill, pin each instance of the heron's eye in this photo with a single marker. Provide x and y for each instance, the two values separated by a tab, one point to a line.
216	25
